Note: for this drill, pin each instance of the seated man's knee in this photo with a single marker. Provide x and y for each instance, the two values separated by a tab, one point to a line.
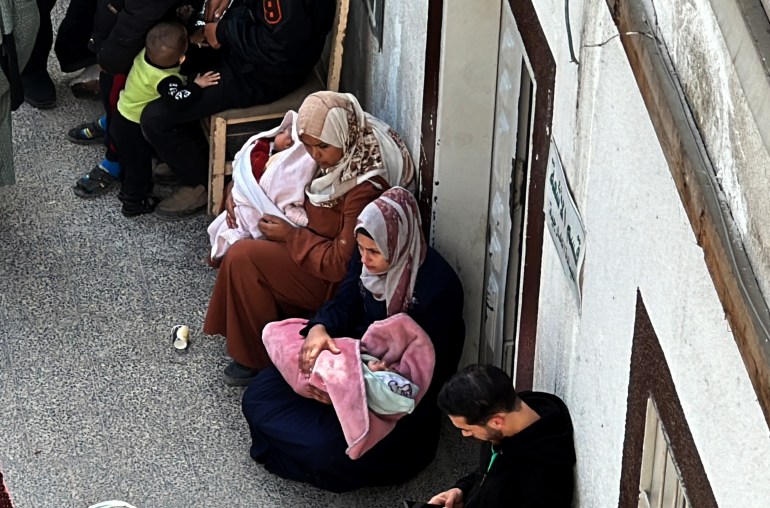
155	118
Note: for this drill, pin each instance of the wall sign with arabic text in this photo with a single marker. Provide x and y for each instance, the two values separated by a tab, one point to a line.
564	221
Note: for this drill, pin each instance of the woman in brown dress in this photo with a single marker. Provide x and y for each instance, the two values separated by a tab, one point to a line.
292	271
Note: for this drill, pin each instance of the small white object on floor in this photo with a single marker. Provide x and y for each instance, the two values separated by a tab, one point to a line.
112	504
180	336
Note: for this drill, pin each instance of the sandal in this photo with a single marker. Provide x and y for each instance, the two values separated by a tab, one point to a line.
88	133
97	182
145	205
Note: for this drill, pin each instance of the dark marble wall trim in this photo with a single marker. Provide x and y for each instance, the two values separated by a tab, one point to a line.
651	377
544	67
429	112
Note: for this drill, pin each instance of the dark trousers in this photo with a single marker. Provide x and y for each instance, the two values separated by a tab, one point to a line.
71	40
176	133
301	439
71	46
110	87
135	158
38	59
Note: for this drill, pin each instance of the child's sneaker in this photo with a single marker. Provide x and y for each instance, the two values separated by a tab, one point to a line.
89	133
132	208
97	182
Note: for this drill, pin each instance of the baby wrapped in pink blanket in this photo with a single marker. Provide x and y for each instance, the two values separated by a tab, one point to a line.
398	341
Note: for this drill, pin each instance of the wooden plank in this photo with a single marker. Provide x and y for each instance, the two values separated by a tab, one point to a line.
337	45
217	147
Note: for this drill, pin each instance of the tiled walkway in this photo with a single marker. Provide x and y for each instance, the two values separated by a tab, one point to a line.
94	402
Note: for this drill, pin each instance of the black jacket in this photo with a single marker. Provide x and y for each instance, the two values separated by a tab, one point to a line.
283	42
120	27
533	468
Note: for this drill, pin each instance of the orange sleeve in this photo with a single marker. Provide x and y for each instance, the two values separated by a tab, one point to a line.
327	258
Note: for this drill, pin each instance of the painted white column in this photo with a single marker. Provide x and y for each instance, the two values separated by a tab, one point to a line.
463	157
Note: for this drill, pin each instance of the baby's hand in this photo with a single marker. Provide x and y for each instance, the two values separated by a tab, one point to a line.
210	78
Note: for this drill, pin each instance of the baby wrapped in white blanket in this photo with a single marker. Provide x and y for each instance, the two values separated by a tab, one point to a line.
280	191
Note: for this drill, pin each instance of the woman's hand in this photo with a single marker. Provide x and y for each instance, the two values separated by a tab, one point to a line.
210	32
317	340
274	228
319	395
230	207
452	498
214	10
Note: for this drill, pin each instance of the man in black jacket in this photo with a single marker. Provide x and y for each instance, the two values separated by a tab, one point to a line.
267	48
528	453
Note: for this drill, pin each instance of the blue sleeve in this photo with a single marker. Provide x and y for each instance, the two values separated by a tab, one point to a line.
343	312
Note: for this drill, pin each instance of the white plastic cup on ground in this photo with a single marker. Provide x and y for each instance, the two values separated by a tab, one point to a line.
180	336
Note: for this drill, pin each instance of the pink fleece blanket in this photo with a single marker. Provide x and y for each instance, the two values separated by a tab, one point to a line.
397	340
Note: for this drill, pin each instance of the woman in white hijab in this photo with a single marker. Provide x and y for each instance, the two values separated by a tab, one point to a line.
292	270
370	147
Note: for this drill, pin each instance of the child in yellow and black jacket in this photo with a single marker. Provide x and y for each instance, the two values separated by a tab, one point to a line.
154	74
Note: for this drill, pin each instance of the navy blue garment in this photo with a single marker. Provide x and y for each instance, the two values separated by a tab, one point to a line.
301	439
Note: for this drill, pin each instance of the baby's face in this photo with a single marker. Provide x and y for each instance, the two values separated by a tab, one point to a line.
283	141
377	365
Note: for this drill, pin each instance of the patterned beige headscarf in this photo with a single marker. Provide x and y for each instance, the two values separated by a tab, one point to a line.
393	221
370	147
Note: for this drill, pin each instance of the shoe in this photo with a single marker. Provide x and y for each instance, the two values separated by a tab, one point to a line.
162	174
86	90
86	84
132	208
184	202
39	90
88	133
239	375
98	181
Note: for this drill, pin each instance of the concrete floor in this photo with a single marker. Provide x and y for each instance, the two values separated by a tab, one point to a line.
95	404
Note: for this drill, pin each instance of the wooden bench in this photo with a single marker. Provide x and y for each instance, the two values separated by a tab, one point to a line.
219	166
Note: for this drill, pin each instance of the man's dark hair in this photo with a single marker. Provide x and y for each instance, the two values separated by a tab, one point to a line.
477	393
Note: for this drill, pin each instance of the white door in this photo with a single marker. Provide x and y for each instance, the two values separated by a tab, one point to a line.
510	159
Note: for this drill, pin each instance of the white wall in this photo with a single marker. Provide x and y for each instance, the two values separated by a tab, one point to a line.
707	70
389	83
638	236
464	135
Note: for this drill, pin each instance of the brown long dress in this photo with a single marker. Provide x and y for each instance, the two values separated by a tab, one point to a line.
262	281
